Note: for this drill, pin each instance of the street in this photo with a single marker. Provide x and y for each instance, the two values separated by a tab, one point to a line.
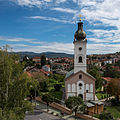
39	115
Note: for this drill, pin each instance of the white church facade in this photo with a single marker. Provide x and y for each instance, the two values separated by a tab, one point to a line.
78	82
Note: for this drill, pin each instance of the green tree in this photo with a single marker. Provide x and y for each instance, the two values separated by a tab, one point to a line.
43	86
111	72
43	60
57	87
47	99
14	84
76	104
114	88
96	74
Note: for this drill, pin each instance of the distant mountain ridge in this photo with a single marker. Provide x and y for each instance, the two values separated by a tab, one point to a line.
47	54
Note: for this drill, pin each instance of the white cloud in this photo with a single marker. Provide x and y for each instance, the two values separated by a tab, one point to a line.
67	48
102	36
50	19
66	10
33	45
103	48
60	1
18	45
15	39
29	3
105	11
45	47
37	3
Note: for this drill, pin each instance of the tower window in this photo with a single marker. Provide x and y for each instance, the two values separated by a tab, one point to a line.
86	91
80	85
80	48
80	76
80	59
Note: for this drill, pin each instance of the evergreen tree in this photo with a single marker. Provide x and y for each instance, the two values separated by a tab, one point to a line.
43	60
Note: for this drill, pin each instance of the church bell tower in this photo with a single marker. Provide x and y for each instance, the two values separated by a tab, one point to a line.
80	43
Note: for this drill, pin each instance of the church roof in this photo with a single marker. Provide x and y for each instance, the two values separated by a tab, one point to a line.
70	73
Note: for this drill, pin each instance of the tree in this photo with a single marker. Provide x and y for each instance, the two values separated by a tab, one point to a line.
114	88
27	61
43	86
96	74
48	99
57	87
111	72
14	85
76	104
37	78
43	60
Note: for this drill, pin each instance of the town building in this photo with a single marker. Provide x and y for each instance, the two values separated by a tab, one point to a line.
46	68
78	82
37	59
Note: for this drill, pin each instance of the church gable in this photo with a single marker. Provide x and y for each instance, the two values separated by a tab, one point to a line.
79	75
80	84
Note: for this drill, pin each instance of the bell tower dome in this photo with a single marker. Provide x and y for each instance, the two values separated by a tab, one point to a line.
80	43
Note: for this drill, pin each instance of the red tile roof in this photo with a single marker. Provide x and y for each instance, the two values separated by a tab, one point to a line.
108	79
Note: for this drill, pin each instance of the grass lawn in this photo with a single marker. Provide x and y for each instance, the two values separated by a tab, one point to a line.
114	110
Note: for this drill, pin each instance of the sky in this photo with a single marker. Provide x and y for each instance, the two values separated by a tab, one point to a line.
49	25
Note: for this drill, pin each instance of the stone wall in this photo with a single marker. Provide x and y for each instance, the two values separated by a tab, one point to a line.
56	106
86	117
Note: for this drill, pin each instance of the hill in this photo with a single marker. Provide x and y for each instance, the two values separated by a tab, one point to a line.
47	54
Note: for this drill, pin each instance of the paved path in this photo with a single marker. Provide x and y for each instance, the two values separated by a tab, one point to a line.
39	115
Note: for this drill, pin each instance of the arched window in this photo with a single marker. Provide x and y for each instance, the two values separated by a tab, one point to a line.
80	95
69	88
73	87
80	76
91	87
87	88
80	59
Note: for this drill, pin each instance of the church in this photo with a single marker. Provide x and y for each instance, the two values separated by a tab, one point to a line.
78	82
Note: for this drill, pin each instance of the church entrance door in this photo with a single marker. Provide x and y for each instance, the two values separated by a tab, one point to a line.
81	96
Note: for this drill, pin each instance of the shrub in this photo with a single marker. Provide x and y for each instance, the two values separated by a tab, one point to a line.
106	116
115	102
57	87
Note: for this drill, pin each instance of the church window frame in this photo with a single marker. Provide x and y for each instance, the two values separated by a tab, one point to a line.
80	85
91	88
69	87
80	59
80	76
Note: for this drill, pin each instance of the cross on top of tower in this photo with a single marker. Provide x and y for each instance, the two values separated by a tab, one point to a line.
80	17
